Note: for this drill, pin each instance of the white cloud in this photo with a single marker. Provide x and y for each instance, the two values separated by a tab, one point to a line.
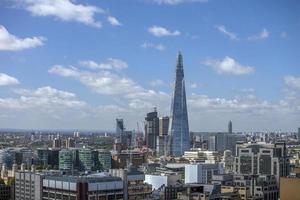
114	21
229	34
111	63
154	46
9	42
64	71
229	66
193	85
64	10
6	80
292	81
264	34
45	98
159	31
176	2
157	82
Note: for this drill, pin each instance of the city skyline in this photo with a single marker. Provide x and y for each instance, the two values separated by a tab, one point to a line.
86	63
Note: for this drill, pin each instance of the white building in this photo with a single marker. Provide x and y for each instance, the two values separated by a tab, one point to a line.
202	172
159	179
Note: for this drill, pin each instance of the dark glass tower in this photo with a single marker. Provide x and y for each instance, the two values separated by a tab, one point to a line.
179	125
230	127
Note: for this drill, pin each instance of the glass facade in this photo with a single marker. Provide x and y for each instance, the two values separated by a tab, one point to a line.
179	125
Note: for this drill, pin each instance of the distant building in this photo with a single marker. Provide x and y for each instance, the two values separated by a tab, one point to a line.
48	158
162	147
105	159
66	160
230	127
228	161
121	160
56	143
70	143
201	172
164	125
299	134
151	129
86	159
179	125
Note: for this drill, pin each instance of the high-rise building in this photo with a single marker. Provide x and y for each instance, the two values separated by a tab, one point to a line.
70	142
179	125
230	127
86	159
164	125
299	134
151	129
56	143
66	161
105	159
119	126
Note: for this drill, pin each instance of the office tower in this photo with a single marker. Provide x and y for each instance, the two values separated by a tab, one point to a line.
163	125
105	159
119	126
66	161
179	125
86	159
299	134
151	129
230	127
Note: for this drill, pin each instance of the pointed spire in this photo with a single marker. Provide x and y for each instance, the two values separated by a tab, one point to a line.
179	60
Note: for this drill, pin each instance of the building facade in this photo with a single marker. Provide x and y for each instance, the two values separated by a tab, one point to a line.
179	125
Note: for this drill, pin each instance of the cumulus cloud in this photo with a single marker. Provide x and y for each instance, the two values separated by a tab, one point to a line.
159	31
176	2
111	63
43	98
292	81
147	45
114	21
229	66
229	34
264	34
6	80
65	10
10	42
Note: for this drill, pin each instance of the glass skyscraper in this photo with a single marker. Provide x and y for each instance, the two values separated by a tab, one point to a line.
179	125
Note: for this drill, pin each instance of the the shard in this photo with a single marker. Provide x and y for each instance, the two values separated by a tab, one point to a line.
179	125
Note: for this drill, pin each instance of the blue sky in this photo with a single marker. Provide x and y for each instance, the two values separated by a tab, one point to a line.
80	64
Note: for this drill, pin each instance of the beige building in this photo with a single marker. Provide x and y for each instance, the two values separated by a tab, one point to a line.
289	188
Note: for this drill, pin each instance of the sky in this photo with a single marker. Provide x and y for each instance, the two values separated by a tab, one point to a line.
81	64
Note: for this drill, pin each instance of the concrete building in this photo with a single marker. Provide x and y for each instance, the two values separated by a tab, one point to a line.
164	125
262	159
82	187
56	143
70	143
134	184
202	172
197	155
28	186
151	129
289	188
179	124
